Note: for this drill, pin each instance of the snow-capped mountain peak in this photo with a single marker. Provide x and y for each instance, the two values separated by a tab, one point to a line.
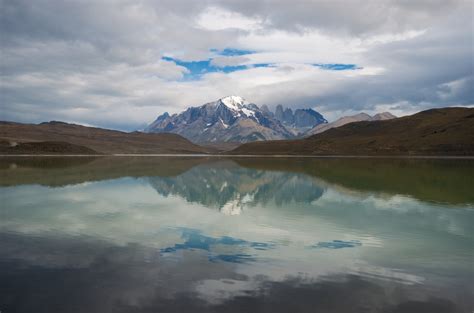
234	102
238	105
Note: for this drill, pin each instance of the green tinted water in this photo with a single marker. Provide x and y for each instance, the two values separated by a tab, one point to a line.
236	235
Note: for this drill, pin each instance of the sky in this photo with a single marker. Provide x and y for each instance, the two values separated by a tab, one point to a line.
119	64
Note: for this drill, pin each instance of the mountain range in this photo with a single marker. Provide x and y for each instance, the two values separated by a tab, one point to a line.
445	131
233	119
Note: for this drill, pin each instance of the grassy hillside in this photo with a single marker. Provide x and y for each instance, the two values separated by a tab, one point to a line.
43	147
77	139
447	131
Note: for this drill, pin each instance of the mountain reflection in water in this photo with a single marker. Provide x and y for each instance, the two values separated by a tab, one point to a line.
148	235
229	188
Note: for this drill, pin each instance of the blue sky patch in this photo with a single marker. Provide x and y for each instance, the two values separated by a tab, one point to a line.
232	258
198	68
338	244
261	65
337	66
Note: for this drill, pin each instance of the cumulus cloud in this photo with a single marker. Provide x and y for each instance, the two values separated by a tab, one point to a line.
101	62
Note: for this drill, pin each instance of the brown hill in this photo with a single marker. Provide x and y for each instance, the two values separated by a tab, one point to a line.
447	131
43	147
64	138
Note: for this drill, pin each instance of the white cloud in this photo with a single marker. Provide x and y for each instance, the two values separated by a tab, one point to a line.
214	18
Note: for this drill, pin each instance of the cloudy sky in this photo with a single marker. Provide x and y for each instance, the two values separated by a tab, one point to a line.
119	64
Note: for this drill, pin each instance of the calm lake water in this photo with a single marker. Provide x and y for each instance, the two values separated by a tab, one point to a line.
175	234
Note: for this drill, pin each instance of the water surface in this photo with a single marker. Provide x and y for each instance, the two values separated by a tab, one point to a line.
184	234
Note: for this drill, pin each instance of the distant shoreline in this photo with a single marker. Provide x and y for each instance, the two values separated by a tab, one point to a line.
249	156
435	133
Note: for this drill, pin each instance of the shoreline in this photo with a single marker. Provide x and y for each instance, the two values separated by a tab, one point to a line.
249	156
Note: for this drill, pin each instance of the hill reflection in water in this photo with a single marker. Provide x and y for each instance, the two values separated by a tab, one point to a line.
435	180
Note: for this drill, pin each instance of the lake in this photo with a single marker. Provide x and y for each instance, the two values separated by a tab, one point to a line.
208	234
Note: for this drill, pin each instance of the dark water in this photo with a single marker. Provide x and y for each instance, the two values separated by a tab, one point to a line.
236	235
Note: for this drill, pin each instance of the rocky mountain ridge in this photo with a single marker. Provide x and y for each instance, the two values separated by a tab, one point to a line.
299	121
233	119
